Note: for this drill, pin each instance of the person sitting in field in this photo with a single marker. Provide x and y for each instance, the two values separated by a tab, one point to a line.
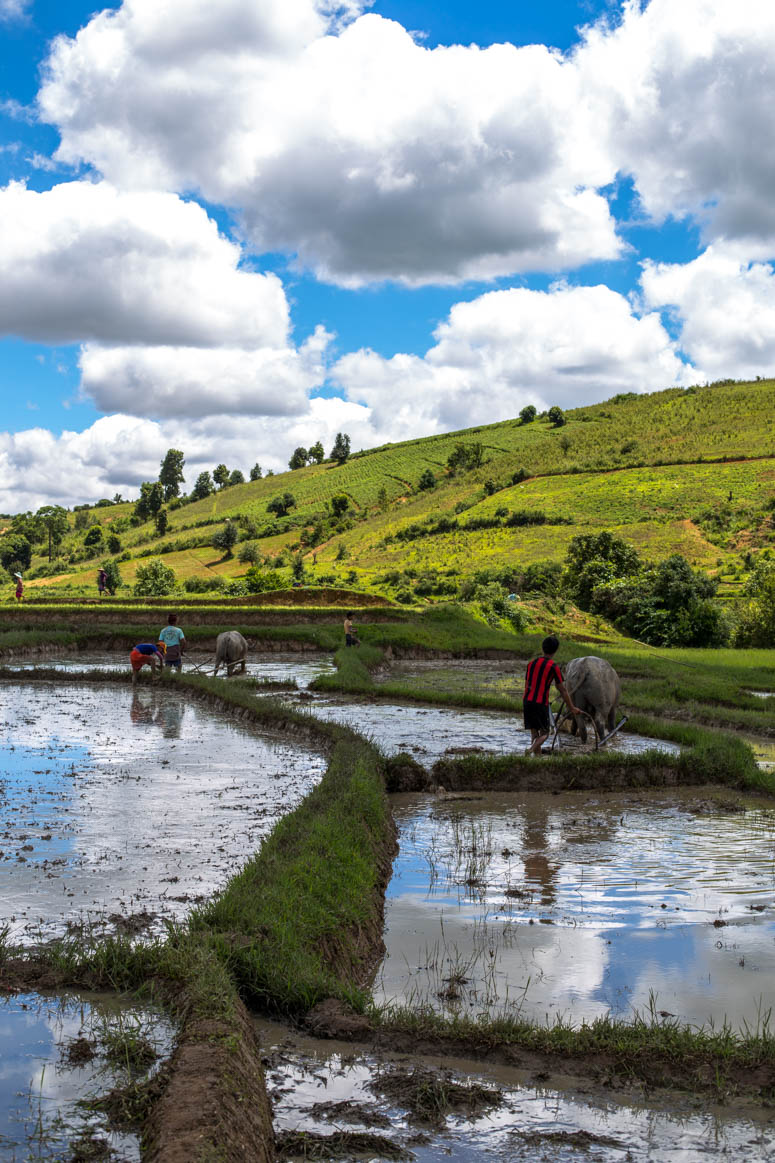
175	640
19	586
541	673
350	637
147	654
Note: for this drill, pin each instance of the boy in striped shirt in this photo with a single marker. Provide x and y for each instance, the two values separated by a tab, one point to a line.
541	673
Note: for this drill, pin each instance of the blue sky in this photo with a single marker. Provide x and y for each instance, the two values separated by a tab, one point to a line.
415	237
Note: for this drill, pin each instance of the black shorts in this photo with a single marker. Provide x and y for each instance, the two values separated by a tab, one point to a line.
351	640
536	716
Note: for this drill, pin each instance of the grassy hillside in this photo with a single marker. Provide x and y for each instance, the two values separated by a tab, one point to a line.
689	471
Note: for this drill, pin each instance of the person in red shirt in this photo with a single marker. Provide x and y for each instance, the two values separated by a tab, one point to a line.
541	673
19	586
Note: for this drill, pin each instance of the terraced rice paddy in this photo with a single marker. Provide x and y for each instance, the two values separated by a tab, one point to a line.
123	808
579	905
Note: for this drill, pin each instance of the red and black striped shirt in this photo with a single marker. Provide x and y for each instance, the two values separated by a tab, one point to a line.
540	674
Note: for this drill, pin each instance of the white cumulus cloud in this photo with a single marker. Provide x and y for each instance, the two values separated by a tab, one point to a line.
86	261
726	308
117	452
365	154
189	381
685	94
505	349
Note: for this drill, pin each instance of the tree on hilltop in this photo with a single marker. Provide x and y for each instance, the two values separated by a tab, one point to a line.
171	473
255	472
341	450
221	475
299	458
316	453
204	487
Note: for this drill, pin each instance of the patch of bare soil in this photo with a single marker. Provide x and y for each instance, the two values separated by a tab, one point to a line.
429	1096
214	1104
340	1145
332	1018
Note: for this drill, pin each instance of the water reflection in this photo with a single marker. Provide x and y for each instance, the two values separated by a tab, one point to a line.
584	905
157	708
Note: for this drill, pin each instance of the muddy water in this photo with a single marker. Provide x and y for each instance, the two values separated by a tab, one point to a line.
116	802
275	667
429	732
323	1087
581	905
56	1052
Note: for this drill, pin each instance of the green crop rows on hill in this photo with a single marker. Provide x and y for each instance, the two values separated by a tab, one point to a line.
638	465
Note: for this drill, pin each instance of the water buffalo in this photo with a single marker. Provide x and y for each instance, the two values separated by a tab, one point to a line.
594	686
231	650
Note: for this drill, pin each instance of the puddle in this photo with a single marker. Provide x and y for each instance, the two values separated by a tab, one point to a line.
324	1087
117	802
58	1052
429	732
581	905
274	667
762	694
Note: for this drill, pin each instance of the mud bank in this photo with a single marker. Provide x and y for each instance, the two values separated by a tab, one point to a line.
214	1104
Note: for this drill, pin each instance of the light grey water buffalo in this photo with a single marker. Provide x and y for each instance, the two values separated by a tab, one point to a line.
231	651
594	686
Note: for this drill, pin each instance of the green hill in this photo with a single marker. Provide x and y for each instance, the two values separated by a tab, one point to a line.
684	470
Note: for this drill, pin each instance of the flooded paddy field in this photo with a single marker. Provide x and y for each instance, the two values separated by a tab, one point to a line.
429	732
579	905
123	807
276	667
420	1108
60	1054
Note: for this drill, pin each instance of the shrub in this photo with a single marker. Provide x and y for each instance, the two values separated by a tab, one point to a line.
203	585
154	579
556	416
93	538
258	581
15	553
427	480
528	414
465	457
249	552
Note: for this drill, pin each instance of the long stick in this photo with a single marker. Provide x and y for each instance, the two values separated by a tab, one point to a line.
611	734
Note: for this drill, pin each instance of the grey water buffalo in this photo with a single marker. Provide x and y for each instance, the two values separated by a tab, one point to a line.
594	686
231	651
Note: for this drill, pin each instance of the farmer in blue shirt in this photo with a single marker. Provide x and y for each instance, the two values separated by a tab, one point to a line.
175	640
